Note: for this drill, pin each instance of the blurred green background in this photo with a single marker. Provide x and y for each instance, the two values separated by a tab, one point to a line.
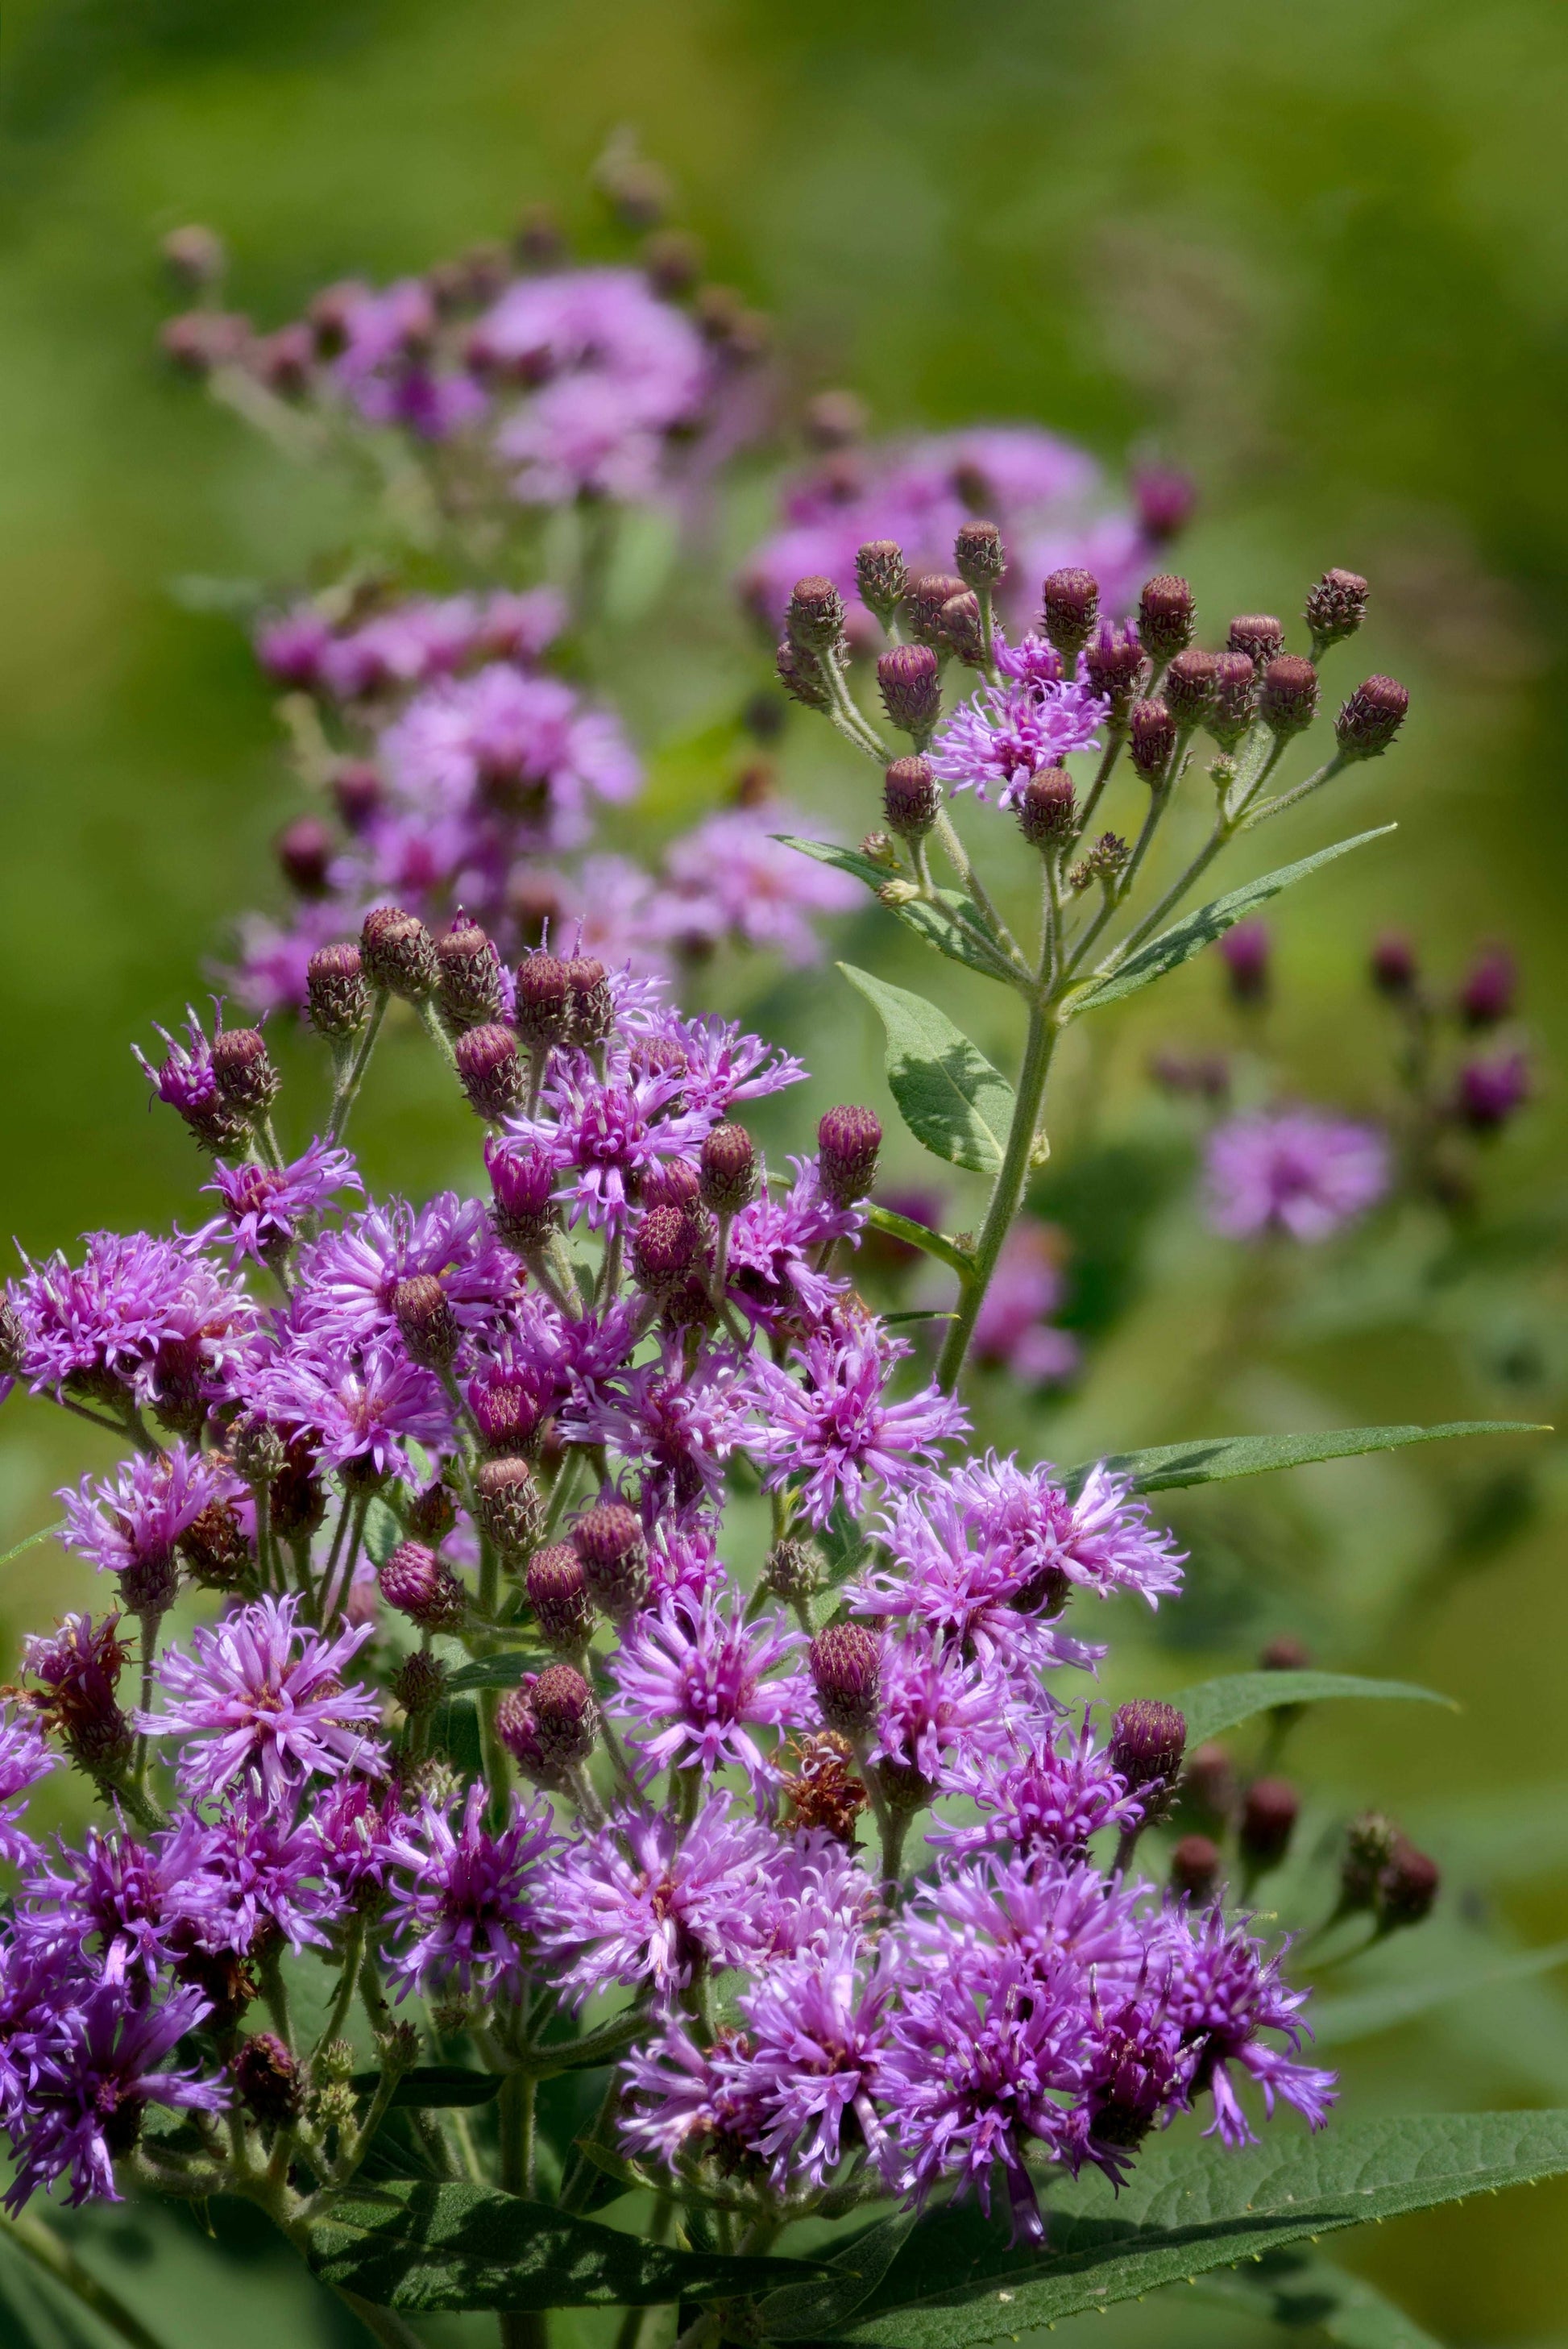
1319	257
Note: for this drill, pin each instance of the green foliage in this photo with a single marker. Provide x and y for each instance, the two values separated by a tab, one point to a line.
1173	947
1209	1460
1360	2014
431	2084
1210	1706
947	919
1187	2210
503	1671
951	1098
419	2247
1293	2289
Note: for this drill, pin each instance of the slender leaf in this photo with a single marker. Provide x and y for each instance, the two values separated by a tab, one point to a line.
1357	2014
419	2247
806	2312
1216	1459
951	1098
435	2083
1210	1706
1197	930
1293	2289
504	1671
1185	2212
947	920
31	1541
920	1236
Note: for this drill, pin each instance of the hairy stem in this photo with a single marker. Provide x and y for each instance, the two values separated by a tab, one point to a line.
1009	1189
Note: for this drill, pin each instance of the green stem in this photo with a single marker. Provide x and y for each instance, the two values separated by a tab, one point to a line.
353	1074
332	2028
517	2098
1260	811
1004	1198
957	855
38	2243
1114	740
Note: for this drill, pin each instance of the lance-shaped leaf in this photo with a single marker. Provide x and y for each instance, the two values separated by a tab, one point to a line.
806	2312
947	920
419	2247
435	2083
1186	2211
920	1236
1293	2289
1210	1706
1195	931
504	1671
1215	1459
1357	2014
48	1533
951	1098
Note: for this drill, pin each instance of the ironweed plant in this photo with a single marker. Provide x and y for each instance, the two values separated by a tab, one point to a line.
635	1753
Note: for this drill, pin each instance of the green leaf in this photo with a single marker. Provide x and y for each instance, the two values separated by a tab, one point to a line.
1292	2288
951	1097
1215	1459
1195	931
947	920
1210	1706
382	1531
419	2247
504	1671
920	1236
1357	2014
44	1534
435	2083
806	2312
1187	2211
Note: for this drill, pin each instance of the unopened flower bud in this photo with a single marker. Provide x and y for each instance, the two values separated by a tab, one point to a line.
1046	808
1368	721
1244	952
1195	1868
543	1016
1235	702
847	1141
1258	635
432	1515
1069	607
214	1549
507	1505
672	262
335	991
1407	1887
664	1248
1336	608
356	789
672	1182
420	1683
1165	498
882	576
268	2079
1151	737
304	853
1268	1821
1487	995
816	615
243	1073
835	419
961	629
912	798
1106	860
1165	615
979	557
794	1570
1147	1740
523	1178
592	1003
729	1168
846	1665
611	1543
194	255
490	1070
909	678
800	676
468	980
416	1584
397	953
550	1724
255	1447
1189	686
1287	701
923	605
1392	965
1488	1092
1115	664
425	1319
558	1594
1369	1845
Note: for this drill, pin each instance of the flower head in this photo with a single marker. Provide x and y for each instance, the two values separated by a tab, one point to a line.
698	1674
837	1431
640	1901
1005	735
263	1695
267	1205
461	1898
1295	1170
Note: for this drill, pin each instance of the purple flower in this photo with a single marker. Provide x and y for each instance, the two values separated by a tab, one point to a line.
1043	1800
24	1760
127	1897
264	1695
731	877
838	1433
611	1132
1223	1992
775	1248
1293	1170
678	1425
151	1315
100	2063
696	1668
346	1283
937	1712
816	2050
1033	660
266	1871
461	1904
266	1205
129	1524
360	1403
505	745
641	1900
1004	735
718	1064
686	2100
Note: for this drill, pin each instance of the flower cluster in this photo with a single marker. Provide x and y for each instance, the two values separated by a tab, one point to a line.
491	1443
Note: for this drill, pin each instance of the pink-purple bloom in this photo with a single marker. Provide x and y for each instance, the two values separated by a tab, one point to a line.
1003	736
1300	1172
263	1694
